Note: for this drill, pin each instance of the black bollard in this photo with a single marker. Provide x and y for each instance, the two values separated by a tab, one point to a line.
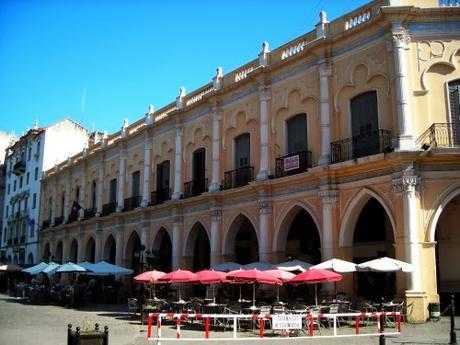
69	334
453	334
382	329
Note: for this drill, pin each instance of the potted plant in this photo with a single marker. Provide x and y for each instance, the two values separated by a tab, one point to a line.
87	336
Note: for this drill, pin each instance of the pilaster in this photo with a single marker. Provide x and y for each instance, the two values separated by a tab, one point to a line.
324	72
216	123
178	163
265	207
121	180
178	224
146	176
264	98
216	232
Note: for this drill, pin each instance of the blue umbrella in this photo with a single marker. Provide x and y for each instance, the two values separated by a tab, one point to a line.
103	268
36	268
70	267
51	268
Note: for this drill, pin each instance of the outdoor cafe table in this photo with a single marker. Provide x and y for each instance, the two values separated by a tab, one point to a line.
180	305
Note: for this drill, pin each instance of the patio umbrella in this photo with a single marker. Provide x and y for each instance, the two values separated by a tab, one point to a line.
10	268
260	265
294	265
50	269
104	268
336	265
178	276
227	267
149	277
386	264
315	277
70	267
253	276
210	277
284	276
36	268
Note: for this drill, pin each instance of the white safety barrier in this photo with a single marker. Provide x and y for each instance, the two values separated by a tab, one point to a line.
308	320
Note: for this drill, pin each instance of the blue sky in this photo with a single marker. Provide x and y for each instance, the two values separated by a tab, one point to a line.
99	62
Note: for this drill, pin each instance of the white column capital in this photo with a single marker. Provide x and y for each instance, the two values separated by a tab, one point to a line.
264	93
401	38
329	197
324	69
264	206
405	184
216	215
179	130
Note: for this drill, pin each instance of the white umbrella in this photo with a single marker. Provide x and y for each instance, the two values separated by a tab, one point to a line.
387	264
259	265
336	265
227	267
294	265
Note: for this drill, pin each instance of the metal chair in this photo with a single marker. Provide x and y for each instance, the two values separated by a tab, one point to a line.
132	306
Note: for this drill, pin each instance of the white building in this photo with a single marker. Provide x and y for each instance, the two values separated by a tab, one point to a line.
36	151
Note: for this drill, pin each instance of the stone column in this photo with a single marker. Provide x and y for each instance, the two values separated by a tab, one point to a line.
324	72
177	239
146	184
119	239
405	186
54	203
216	236
216	121
329	203
100	188
81	245
264	97
98	254
401	41
265	229
65	249
178	163
145	232
121	181
67	198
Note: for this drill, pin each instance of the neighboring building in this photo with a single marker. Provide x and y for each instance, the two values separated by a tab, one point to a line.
34	152
5	141
341	143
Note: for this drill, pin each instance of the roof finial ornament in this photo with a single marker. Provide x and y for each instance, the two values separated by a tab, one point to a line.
322	17
124	128
322	26
36	124
264	55
217	79
180	100
149	119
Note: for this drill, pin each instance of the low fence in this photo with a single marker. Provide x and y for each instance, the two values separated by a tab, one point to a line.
284	322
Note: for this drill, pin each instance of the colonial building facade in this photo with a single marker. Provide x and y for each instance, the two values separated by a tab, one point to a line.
341	143
26	158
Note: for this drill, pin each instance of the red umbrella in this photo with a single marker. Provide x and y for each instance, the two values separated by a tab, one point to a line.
210	277
178	276
149	277
253	276
284	276
315	277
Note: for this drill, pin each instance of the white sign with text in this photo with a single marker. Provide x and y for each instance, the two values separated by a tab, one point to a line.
286	321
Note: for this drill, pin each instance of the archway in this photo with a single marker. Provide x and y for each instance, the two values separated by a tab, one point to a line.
58	253
90	252
15	259
110	250
299	237
46	253
373	238
242	242
133	253
73	253
447	239
198	248
162	251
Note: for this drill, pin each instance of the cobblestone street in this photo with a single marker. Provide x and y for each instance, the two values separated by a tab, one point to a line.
24	324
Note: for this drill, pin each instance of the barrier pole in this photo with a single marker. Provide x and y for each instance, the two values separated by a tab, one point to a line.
261	328
159	329
335	325
398	320
311	325
178	328
206	327
235	327
149	326
379	326
357	324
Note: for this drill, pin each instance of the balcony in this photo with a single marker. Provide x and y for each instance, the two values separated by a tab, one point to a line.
22	239
46	224
89	213
58	220
195	187
238	177
132	203
441	135
362	145
73	216
19	168
109	208
293	164
160	196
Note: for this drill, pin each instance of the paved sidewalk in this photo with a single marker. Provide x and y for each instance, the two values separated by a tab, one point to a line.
24	324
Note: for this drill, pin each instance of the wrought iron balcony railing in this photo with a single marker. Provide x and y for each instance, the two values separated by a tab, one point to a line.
441	135
361	145
238	177
195	187
19	168
160	196
109	208
293	164
73	217
46	224
132	203
58	220
89	213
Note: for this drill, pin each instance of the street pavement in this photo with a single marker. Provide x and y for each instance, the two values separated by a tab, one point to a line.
25	324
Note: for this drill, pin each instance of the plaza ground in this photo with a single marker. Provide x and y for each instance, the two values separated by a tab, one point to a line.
24	324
